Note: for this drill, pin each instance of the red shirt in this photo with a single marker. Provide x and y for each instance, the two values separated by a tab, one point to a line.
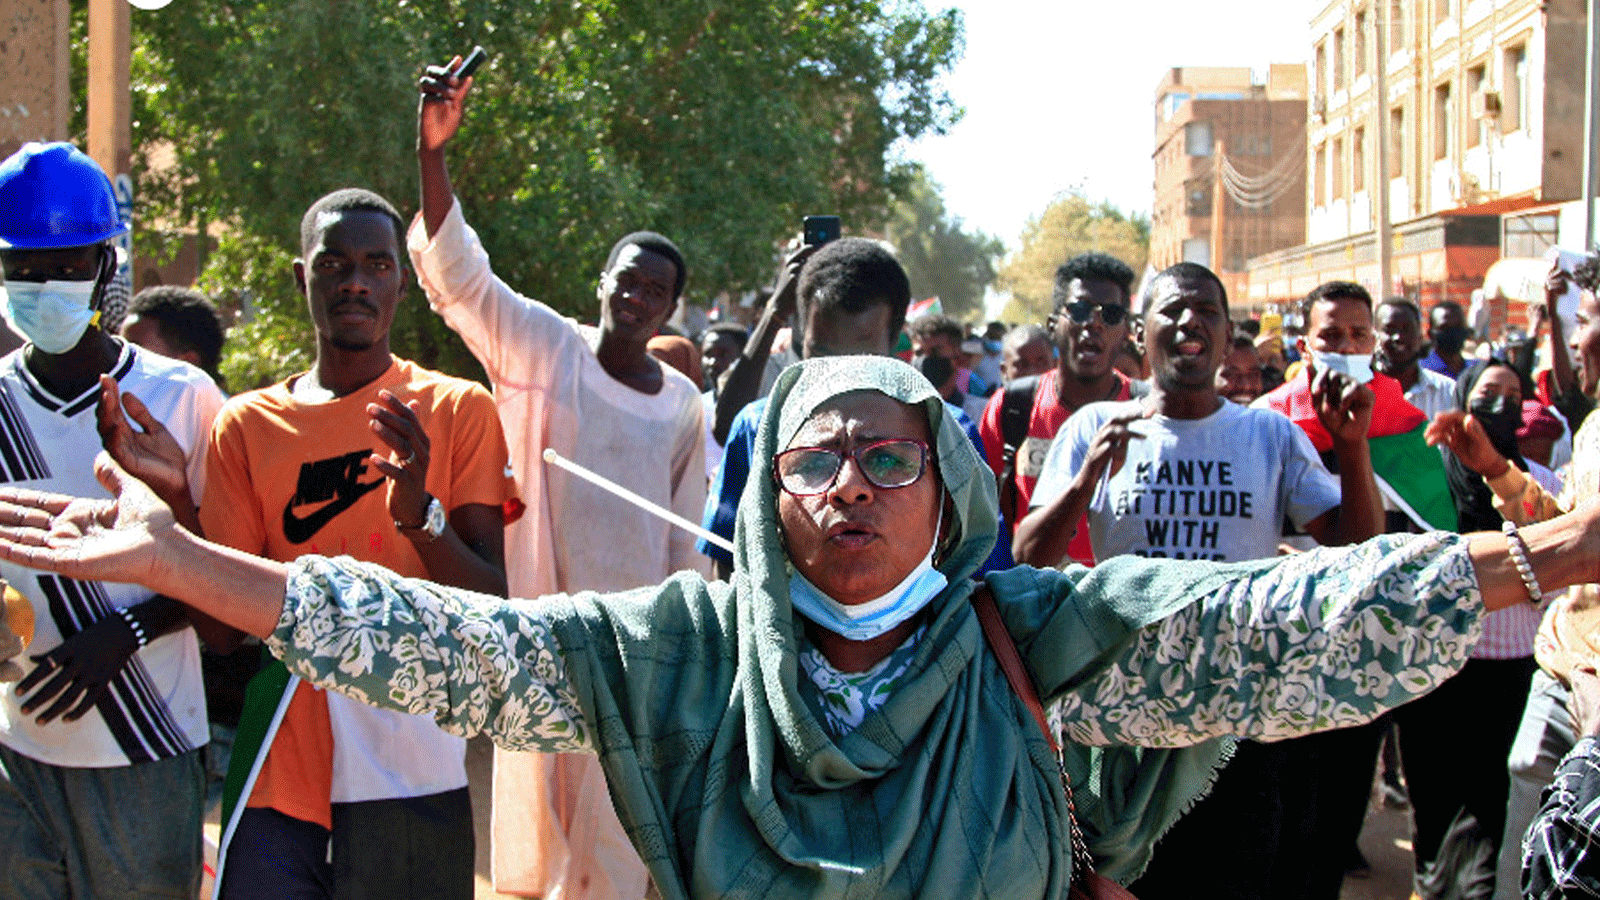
1047	417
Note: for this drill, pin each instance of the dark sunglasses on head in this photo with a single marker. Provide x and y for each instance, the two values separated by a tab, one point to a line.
894	463
1080	311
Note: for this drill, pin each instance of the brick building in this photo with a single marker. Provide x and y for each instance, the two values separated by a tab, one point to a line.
1229	167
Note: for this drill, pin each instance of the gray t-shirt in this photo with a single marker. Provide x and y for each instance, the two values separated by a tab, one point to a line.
1216	488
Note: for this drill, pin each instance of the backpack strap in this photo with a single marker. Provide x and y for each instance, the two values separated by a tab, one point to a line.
1016	410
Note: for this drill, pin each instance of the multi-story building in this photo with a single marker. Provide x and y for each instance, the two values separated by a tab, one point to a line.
1229	167
1483	113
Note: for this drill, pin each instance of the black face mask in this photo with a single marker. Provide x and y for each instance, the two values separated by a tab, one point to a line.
1500	417
936	369
1451	339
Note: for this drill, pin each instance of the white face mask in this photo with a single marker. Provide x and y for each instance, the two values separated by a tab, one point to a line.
1355	366
52	315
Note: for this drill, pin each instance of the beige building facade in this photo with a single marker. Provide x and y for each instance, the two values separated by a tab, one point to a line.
1483	114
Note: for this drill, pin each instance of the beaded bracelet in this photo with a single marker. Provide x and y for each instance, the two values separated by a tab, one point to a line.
1519	558
138	630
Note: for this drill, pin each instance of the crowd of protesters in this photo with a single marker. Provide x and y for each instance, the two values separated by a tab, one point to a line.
1151	420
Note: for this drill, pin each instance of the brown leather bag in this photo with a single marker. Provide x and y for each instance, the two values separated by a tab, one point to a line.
1087	884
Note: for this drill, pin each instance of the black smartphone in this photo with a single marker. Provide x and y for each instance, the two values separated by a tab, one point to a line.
819	230
469	65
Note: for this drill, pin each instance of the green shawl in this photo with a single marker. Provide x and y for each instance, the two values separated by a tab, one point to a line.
730	786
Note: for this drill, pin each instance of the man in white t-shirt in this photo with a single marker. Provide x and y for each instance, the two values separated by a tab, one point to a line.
101	782
1187	474
1398	323
597	398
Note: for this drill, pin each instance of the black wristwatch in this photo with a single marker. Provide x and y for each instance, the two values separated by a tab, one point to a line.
431	526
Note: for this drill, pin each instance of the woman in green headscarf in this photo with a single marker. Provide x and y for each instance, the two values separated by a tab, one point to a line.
830	723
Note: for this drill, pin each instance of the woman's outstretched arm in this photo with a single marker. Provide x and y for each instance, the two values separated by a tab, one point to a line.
134	537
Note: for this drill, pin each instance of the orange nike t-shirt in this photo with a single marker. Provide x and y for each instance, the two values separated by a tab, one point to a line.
287	478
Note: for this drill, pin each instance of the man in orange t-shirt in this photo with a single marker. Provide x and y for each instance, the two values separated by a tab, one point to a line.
380	459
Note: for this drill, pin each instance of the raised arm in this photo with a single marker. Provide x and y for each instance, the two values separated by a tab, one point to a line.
438	119
742	382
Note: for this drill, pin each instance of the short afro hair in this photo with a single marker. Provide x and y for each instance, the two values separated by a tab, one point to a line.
349	200
854	274
1411	309
659	244
930	326
186	319
1092	266
1333	290
1187	271
739	333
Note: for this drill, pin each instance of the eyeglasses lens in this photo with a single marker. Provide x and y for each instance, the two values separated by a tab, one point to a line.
1082	310
887	464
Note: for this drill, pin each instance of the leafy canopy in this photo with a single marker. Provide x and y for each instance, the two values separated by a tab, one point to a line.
717	122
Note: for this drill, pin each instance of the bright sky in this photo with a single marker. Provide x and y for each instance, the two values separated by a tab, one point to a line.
1060	93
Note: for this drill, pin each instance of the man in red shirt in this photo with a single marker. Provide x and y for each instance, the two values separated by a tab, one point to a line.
1089	323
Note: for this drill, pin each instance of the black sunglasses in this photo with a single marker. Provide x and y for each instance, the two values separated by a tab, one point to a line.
1081	310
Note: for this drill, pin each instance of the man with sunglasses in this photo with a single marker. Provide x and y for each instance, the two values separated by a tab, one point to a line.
1090	322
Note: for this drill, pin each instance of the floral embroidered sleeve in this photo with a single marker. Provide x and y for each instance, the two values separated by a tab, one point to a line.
1323	639
476	664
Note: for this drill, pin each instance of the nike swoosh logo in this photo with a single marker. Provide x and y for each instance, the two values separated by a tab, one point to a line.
299	530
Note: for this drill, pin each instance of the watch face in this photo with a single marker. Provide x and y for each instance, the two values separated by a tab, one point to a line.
434	523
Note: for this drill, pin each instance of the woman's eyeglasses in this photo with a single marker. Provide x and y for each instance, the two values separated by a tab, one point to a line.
1080	311
894	463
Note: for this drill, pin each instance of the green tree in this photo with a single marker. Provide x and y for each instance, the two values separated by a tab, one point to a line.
1070	225
941	257
717	122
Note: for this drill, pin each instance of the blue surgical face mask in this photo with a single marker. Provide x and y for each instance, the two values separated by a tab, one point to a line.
1356	366
864	621
52	315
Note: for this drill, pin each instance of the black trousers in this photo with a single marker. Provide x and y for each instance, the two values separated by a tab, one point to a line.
1279	825
1453	747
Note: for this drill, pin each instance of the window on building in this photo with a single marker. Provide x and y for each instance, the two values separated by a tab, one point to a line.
1396	160
1199	199
1476	129
1358	44
1336	177
1528	235
1337	51
1197	250
1442	10
1443	121
1514	98
1319	72
1320	174
1397	25
1358	161
1197	138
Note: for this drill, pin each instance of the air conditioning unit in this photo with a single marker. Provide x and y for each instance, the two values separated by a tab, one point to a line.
1319	109
1485	104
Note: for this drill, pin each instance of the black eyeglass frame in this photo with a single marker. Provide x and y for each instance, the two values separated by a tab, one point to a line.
1080	311
922	466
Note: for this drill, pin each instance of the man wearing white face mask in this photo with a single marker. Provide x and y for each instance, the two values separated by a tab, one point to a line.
1339	337
101	783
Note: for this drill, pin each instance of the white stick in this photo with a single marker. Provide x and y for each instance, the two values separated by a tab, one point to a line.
604	483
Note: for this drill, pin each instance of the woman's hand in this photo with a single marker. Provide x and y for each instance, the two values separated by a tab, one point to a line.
93	540
1465	437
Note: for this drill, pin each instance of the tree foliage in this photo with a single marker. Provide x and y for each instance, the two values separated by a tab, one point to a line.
941	257
1070	225
717	122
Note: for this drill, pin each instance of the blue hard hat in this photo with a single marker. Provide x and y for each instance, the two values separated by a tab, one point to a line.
54	195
